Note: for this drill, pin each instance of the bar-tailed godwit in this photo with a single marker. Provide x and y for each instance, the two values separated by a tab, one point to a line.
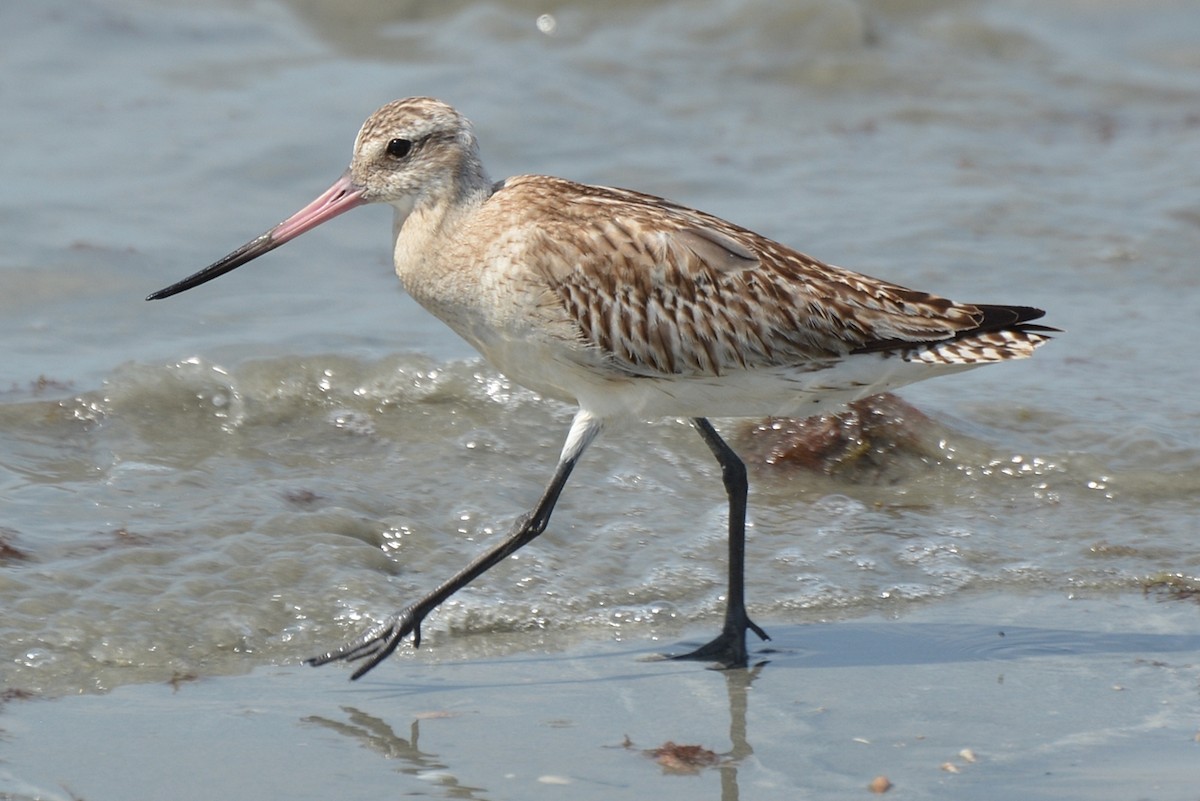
629	305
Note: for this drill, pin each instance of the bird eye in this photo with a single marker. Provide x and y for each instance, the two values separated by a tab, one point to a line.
399	148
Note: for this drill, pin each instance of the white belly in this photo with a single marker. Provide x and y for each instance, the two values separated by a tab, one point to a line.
814	388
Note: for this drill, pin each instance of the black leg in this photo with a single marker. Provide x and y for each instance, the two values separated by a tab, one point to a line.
376	644
729	648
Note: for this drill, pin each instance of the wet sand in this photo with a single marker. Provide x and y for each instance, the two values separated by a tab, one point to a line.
1035	697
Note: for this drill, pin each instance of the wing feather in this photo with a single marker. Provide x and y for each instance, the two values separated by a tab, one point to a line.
657	289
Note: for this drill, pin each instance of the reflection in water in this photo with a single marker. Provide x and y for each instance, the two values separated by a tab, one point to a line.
737	686
372	733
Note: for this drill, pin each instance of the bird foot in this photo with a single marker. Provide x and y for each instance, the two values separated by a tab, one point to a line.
728	649
375	644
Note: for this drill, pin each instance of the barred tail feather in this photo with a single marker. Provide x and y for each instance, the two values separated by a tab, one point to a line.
980	347
1002	333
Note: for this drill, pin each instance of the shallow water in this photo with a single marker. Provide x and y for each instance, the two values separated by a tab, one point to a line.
246	474
1084	699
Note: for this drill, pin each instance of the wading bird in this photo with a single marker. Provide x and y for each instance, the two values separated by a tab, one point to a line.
629	306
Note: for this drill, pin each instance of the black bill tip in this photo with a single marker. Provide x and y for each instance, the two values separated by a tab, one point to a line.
247	252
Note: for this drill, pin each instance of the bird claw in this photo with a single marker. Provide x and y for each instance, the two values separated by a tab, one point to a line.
375	644
728	649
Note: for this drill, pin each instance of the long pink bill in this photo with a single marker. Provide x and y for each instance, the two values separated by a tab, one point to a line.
337	199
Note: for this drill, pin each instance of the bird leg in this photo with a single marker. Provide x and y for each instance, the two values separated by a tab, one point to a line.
729	647
377	643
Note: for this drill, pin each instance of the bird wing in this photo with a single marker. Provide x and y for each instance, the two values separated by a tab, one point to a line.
659	289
